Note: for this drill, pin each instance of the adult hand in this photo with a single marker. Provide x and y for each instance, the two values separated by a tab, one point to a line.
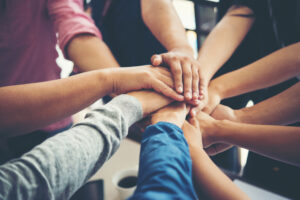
209	103
143	77
210	135
214	99
186	72
174	113
224	112
192	133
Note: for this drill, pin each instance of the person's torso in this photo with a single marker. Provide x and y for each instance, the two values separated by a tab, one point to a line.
27	46
27	43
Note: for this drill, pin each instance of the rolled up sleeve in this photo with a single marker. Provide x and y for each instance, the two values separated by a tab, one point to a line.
70	20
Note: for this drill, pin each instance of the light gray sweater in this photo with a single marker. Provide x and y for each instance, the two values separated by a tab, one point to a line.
59	166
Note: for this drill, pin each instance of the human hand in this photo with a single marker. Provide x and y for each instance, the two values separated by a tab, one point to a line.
224	112
186	72
143	77
174	113
209	103
192	133
210	134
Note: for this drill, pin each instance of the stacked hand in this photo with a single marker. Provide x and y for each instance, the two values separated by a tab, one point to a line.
186	72
143	77
174	113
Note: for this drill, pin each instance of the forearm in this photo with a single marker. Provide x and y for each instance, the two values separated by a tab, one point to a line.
281	109
78	36
211	180
24	108
89	52
150	100
162	20
278	142
165	166
270	70
224	40
45	173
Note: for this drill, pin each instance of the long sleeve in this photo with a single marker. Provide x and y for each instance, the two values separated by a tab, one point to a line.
56	168
165	170
69	20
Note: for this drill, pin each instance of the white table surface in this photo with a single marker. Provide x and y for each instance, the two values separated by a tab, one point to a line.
127	157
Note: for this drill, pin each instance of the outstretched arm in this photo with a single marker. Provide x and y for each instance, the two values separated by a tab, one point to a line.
48	102
162	20
219	46
281	109
277	142
209	179
165	166
224	39
59	166
275	68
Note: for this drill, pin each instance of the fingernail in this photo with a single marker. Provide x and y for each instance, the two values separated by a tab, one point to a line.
196	101
188	95
179	89
195	95
193	113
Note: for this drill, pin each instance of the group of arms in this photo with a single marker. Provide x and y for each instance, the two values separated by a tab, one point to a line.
50	101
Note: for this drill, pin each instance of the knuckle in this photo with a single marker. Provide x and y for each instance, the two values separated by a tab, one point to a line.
195	75
187	73
185	59
177	70
147	75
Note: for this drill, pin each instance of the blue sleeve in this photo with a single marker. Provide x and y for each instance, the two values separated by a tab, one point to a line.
165	170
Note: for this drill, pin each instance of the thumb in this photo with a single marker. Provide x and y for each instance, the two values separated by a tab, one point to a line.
156	60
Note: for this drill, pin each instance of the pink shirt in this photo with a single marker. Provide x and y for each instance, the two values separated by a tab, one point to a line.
28	38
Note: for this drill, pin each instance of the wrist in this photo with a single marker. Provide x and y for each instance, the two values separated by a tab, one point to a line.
244	115
221	133
183	48
106	77
196	151
217	88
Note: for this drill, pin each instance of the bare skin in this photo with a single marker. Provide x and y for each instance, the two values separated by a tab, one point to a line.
162	20
281	109
220	44
275	68
209	179
208	176
277	142
51	101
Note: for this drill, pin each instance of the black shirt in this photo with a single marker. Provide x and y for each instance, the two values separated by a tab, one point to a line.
277	17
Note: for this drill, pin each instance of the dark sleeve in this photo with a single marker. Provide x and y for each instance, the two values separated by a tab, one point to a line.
165	170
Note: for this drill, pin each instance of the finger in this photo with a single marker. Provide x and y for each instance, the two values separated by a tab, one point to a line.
194	111
187	80
193	102
202	89
167	80
177	74
156	60
163	70
164	89
195	82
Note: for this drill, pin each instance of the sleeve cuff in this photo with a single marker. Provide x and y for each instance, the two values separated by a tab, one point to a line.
129	106
166	126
